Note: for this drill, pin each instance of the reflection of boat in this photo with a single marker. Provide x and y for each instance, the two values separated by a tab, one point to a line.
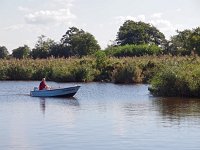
60	92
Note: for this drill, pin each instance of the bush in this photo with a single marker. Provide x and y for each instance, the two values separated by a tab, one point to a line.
181	80
133	50
62	74
18	73
126	74
163	83
82	73
40	73
3	73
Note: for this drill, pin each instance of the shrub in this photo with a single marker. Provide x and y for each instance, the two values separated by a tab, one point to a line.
62	74
181	80
126	74
133	50
19	73
82	74
42	72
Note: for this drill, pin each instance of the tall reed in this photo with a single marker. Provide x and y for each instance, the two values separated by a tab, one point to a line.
167	75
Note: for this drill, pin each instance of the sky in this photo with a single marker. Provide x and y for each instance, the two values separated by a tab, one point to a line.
23	21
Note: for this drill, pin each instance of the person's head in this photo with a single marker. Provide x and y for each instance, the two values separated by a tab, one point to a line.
43	79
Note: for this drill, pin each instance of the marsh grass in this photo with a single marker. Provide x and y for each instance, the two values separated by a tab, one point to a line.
167	75
178	77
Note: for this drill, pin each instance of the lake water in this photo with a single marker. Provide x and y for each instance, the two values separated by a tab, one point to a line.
101	116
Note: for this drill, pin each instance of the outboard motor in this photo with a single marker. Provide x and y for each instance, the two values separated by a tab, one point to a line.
35	88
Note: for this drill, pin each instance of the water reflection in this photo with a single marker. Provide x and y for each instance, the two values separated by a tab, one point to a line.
177	108
135	109
58	101
118	116
42	105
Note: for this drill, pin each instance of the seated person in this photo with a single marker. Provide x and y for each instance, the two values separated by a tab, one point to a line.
43	85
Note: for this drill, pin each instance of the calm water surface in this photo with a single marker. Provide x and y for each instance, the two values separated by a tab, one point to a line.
100	117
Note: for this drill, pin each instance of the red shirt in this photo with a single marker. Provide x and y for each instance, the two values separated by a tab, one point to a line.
42	85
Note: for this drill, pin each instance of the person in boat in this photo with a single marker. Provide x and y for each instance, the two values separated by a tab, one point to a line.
43	85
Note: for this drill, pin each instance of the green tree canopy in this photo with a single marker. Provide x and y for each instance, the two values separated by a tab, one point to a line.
195	40
132	32
58	51
79	43
185	42
3	52
42	47
21	52
180	43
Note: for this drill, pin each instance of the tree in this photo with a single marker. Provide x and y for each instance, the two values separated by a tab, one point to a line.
58	50
3	52
180	44
79	43
195	40
132	32
42	47
185	42
21	52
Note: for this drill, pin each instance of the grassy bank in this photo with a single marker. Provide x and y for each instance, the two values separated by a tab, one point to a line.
87	69
180	77
168	76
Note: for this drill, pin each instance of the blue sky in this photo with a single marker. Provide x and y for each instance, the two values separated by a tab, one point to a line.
22	21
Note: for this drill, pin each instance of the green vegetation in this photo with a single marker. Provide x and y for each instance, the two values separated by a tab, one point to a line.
68	70
79	42
139	54
168	75
42	48
178	77
133	39
133	50
3	52
75	42
21	52
185	42
132	32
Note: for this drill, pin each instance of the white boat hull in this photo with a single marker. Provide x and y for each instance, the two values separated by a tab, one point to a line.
61	92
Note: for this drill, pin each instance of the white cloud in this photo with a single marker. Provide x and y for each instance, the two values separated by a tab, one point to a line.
54	12
29	28
122	19
156	15
58	4
63	1
166	26
50	16
141	18
161	23
24	9
178	9
14	27
156	19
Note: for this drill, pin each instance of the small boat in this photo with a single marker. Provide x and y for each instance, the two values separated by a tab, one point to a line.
59	92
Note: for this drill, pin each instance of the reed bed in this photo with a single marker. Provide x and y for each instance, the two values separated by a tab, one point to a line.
167	75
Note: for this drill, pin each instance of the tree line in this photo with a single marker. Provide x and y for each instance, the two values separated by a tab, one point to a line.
133	39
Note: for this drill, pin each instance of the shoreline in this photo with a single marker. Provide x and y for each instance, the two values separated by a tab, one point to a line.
167	75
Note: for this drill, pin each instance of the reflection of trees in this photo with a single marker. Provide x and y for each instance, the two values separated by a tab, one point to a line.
177	108
136	109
